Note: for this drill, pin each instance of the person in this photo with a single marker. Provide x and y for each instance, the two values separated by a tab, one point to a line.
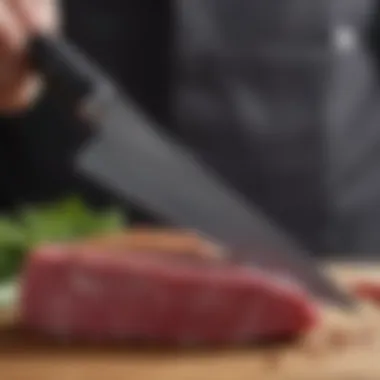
38	134
243	83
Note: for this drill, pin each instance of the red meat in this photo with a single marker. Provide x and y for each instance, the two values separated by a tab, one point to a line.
89	294
368	290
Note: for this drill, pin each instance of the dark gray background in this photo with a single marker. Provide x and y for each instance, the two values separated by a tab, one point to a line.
281	97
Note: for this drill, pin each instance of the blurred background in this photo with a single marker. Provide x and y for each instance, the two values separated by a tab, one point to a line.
281	97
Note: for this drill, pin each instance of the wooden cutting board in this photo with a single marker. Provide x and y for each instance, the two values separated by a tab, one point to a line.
24	357
31	361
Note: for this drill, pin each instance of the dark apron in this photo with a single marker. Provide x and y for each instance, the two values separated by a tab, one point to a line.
251	85
265	96
354	128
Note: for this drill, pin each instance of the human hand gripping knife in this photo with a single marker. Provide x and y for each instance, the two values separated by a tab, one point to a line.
131	157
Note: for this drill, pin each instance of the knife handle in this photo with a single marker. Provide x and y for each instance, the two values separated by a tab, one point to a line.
64	66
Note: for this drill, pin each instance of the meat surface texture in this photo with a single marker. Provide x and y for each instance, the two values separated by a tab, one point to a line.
79	293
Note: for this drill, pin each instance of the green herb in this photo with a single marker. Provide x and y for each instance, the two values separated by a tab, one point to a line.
63	221
12	247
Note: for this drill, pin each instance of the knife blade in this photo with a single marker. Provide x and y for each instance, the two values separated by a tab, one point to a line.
133	159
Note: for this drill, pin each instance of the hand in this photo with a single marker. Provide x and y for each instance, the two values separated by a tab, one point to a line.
20	20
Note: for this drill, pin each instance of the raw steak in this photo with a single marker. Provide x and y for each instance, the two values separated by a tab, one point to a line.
90	294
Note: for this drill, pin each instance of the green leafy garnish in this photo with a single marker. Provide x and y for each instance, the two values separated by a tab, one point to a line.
12	247
63	221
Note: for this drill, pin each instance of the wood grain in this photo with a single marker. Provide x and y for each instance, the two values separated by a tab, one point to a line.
23	358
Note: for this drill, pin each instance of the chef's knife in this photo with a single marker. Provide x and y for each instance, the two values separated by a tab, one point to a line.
132	158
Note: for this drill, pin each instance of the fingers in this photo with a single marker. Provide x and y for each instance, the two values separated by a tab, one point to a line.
12	42
12	34
20	19
37	16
